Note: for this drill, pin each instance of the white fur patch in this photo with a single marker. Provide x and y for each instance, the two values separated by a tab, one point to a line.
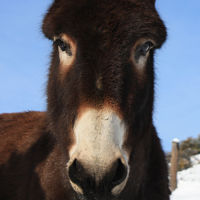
141	63
99	136
66	60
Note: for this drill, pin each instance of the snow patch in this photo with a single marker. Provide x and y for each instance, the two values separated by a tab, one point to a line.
176	140
188	182
195	159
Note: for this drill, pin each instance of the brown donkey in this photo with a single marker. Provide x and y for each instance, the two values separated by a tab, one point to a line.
97	140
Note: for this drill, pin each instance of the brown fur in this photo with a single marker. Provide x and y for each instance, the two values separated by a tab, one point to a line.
34	146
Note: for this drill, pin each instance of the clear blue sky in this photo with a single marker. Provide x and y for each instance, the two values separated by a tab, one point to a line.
25	53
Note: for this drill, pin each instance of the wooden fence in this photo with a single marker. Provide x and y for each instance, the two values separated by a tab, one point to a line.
174	164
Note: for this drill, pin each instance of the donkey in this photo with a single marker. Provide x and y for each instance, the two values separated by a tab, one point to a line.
96	141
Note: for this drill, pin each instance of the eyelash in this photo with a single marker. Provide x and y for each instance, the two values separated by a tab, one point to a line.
143	49
63	46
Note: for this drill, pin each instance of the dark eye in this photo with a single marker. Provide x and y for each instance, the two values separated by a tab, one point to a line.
143	49
63	46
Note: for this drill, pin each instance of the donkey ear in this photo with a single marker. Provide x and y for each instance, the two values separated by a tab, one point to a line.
48	25
53	20
152	2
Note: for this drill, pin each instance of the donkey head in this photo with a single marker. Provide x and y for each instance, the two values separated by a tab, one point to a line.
100	90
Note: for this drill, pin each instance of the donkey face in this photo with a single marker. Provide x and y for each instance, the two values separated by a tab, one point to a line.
101	86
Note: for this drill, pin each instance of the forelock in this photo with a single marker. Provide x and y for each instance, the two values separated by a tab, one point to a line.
88	16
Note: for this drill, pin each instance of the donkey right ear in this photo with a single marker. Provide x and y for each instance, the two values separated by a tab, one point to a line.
59	13
49	25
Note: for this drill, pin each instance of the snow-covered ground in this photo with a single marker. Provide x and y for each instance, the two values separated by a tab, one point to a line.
189	182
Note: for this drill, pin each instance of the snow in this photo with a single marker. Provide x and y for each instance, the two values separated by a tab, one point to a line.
189	182
176	140
195	159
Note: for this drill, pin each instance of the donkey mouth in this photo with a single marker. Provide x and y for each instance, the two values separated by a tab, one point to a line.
95	196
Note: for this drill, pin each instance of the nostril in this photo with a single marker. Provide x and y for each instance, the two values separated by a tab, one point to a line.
79	175
74	171
120	173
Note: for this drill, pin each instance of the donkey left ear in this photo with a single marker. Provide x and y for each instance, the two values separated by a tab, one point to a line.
152	2
149	1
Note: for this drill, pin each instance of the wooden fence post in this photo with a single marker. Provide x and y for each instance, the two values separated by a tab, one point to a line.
174	164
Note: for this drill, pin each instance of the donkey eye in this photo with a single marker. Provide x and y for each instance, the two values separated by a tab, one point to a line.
63	46
143	49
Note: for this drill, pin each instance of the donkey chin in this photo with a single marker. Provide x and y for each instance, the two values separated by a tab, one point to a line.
98	166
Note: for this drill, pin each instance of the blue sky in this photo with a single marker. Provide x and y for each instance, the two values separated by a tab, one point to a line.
25	57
